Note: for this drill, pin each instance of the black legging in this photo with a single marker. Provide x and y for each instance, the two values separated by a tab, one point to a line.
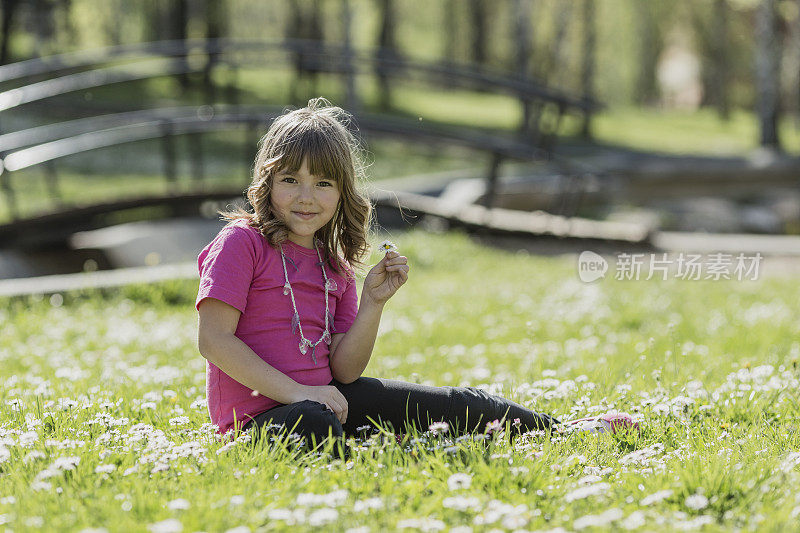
394	403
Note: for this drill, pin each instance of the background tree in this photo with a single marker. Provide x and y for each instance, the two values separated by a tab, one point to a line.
305	24
216	22
587	62
450	25
10	13
521	19
554	62
768	54
479	17
651	43
711	29
178	29
387	50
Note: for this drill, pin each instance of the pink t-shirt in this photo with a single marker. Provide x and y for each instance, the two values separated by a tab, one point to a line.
241	268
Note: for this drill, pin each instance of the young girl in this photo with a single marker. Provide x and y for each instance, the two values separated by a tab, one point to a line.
280	324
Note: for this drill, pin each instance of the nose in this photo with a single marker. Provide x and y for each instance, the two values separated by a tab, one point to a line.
306	194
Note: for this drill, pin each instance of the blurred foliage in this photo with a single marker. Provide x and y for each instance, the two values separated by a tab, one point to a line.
629	37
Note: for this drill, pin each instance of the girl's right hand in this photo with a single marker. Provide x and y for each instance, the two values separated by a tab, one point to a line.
324	394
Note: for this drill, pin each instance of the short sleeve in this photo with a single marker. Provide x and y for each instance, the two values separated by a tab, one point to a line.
346	308
226	267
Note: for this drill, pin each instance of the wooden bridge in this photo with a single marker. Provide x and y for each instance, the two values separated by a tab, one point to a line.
40	80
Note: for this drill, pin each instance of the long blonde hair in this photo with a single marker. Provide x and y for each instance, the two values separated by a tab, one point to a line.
318	132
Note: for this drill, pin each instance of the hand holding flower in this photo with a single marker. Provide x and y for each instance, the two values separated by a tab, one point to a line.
387	276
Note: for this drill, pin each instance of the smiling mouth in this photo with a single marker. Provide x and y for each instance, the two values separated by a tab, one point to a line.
303	214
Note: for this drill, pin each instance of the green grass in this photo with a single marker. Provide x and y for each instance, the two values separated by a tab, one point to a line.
711	367
699	132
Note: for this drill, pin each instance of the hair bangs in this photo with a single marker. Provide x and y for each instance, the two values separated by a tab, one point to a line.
325	156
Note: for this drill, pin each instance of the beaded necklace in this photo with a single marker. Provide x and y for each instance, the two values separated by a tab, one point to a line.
330	285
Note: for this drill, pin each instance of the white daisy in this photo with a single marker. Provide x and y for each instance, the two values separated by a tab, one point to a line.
387	246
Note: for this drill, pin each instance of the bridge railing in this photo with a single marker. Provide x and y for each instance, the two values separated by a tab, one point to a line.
96	68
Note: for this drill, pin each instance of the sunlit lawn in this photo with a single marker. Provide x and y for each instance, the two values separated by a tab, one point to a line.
103	421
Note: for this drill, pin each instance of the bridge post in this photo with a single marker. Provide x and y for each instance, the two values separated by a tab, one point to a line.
548	139
525	126
51	177
491	179
5	185
168	152
232	83
195	141
251	134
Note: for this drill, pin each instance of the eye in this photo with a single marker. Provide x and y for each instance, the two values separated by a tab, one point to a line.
325	183
288	179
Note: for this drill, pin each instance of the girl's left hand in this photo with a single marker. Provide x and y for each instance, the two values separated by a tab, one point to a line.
386	277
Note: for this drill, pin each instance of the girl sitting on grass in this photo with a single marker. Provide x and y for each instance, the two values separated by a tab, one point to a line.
279	320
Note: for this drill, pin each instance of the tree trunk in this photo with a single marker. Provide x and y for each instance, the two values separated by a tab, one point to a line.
522	36
351	95
44	29
387	50
720	64
178	23
478	16
450	25
153	27
216	28
552	64
649	50
293	29
9	13
521	14
768	53
796	47
587	63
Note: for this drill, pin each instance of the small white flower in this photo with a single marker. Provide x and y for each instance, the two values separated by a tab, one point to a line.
237	499
65	463
634	521
323	516
438	428
41	485
589	490
598	520
331	499
361	506
425	524
387	246
696	502
656	497
462	503
459	481
32	456
179	504
179	421
105	469
240	529
171	525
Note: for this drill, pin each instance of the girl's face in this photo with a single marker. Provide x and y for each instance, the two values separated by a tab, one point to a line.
304	202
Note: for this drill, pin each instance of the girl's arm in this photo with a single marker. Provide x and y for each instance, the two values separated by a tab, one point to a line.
219	345
350	352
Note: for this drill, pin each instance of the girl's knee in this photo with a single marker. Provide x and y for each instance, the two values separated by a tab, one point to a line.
314	418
